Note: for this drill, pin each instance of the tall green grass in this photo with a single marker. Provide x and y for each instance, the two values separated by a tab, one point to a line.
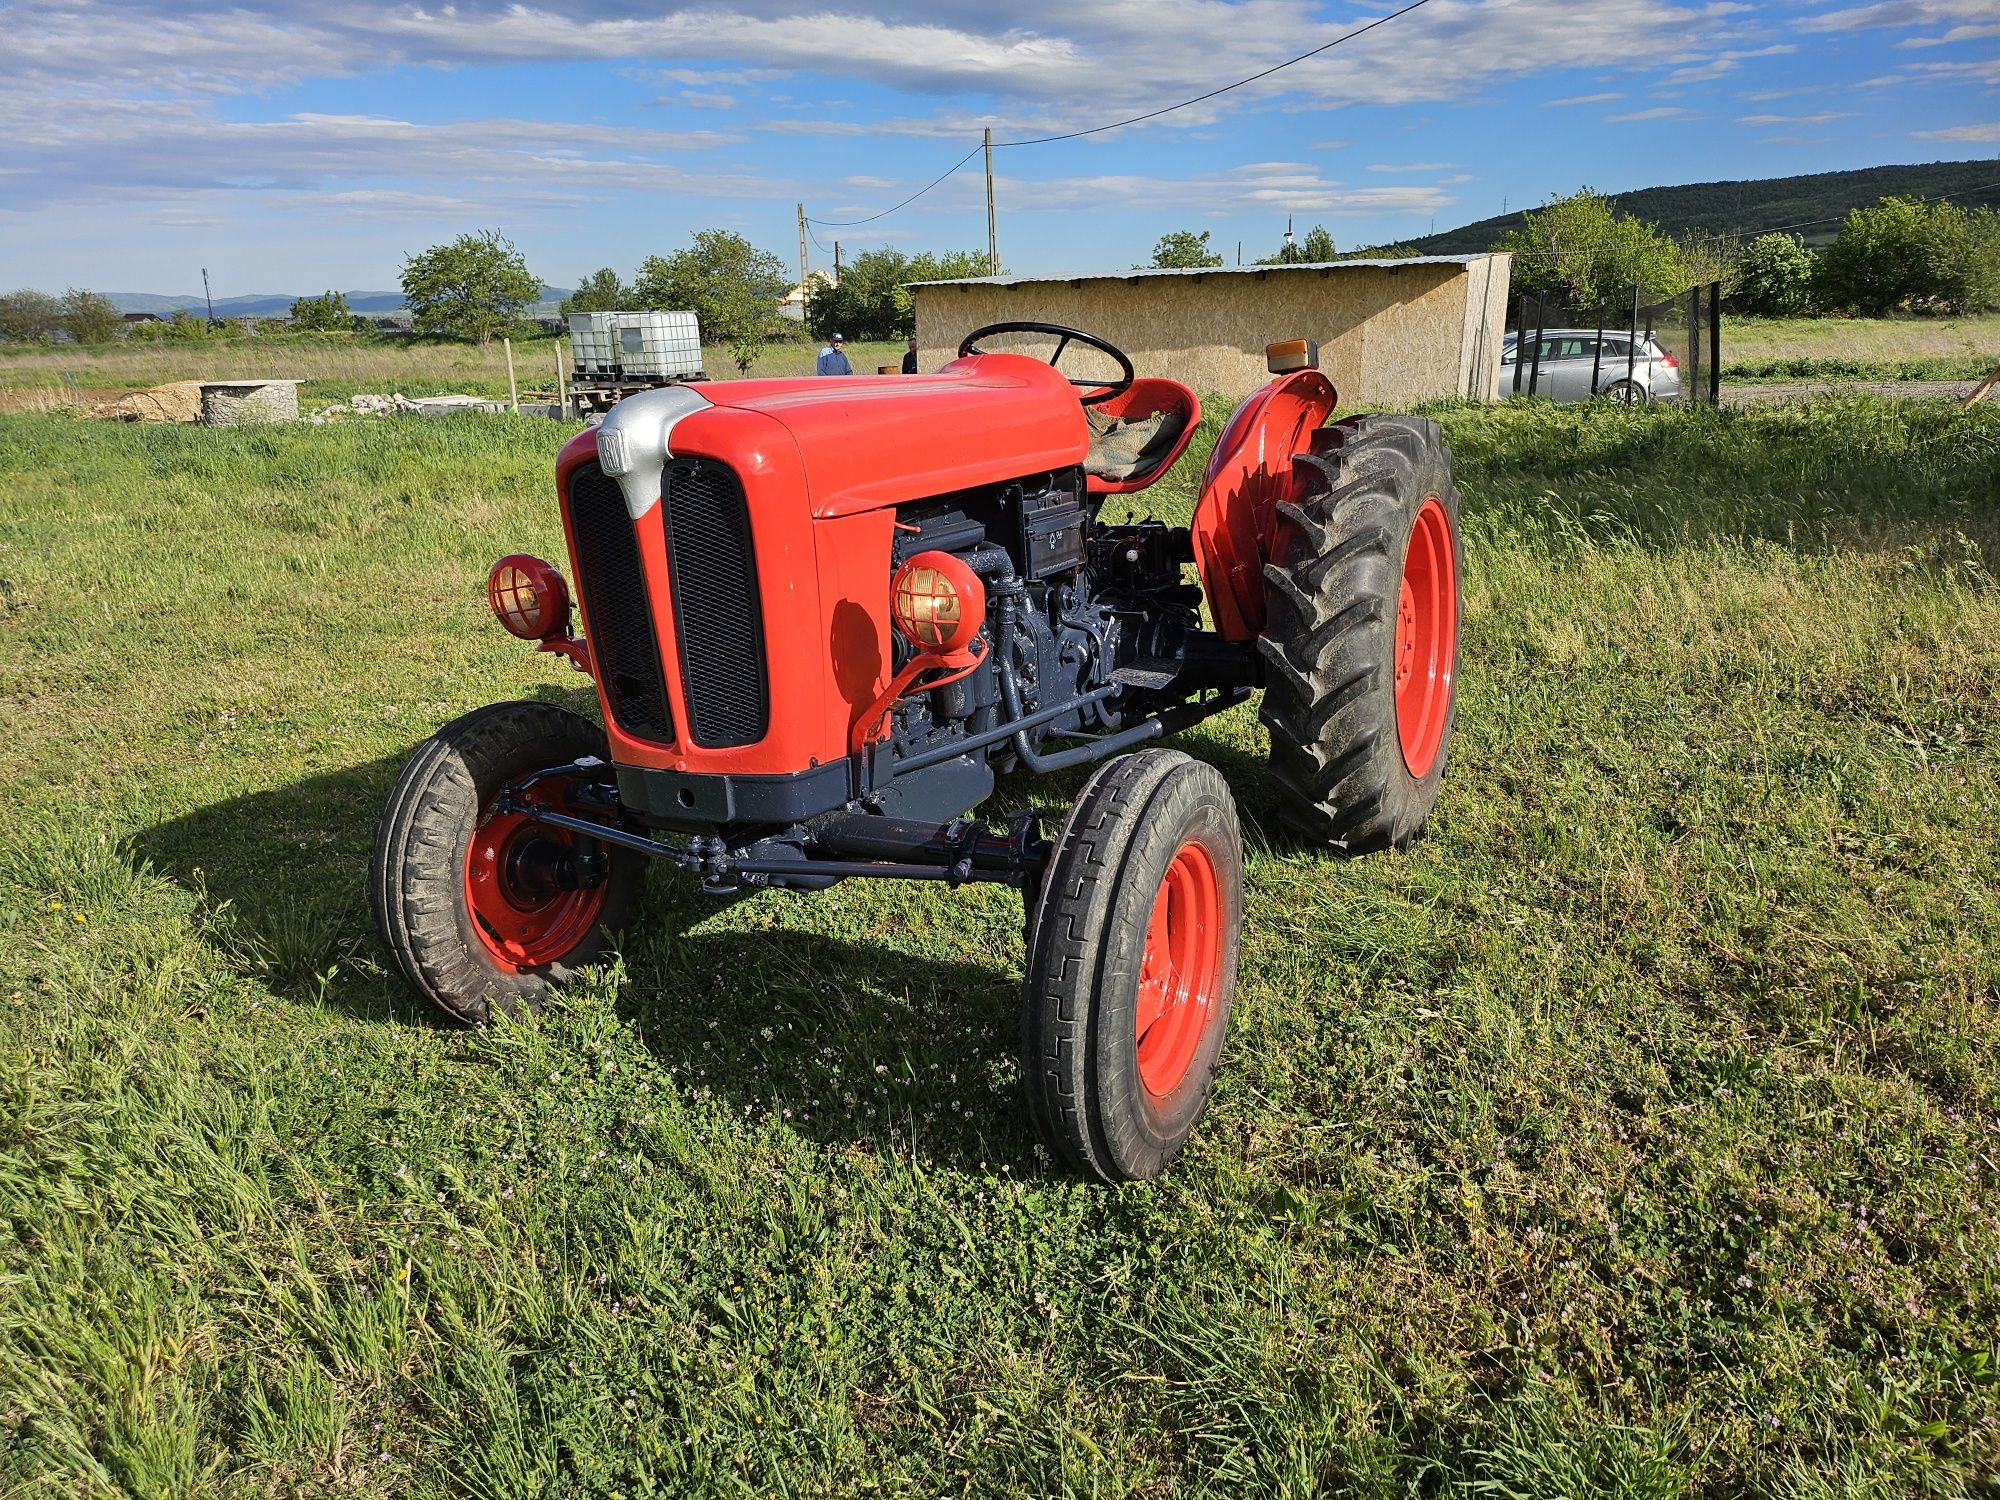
1631	1135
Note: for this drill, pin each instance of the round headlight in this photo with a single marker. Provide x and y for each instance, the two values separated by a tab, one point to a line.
937	602
529	597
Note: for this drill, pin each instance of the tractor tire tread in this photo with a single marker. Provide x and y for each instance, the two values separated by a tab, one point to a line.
1331	598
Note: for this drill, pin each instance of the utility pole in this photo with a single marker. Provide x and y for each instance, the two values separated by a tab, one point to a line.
1239	252
802	244
992	236
207	296
1288	239
836	262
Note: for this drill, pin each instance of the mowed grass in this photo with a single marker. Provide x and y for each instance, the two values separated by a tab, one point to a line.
1634	1134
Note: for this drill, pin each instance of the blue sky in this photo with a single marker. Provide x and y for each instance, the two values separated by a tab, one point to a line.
291	147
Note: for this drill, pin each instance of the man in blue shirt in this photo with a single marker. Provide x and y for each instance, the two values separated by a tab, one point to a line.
833	360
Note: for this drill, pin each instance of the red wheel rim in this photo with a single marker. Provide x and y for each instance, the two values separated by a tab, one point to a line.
1426	638
524	924
1182	970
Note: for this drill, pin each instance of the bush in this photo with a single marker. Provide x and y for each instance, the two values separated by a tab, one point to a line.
90	319
1774	278
328	313
600	291
1908	255
872	300
1580	253
28	317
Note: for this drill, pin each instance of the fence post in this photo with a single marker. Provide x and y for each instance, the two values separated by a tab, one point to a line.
1632	339
1541	333
1597	353
1715	344
513	391
1520	342
1694	344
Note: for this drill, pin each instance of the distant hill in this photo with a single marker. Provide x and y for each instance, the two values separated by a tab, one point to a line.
277	304
1816	203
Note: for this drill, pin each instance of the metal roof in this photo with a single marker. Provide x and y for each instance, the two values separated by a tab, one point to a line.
1140	272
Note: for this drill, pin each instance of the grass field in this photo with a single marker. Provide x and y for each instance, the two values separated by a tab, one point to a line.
1632	1135
335	367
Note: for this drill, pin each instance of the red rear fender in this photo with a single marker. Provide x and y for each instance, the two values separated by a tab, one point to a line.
1249	472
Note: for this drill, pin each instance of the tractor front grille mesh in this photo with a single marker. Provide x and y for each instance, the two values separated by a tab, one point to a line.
624	646
717	617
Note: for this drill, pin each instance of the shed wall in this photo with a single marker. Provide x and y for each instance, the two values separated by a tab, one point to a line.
1388	335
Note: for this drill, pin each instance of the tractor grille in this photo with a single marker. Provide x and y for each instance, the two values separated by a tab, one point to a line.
616	616
716	613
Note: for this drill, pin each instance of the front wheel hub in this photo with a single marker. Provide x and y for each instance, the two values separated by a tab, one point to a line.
525	888
1181	974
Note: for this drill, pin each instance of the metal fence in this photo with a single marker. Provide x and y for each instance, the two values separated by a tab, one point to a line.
1687	327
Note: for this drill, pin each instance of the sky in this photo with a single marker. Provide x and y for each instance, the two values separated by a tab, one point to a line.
293	147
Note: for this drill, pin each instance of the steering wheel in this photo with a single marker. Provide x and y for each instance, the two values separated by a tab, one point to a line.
1068	336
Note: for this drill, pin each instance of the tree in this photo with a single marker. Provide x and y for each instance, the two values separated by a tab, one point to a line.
328	313
1579	252
1317	245
600	291
730	285
28	317
90	319
1183	249
470	289
1905	253
1774	278
872	299
1707	259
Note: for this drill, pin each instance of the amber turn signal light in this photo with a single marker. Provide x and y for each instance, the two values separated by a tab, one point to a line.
938	603
1291	354
529	597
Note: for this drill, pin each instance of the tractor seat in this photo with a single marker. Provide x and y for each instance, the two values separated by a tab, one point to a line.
1125	447
1136	435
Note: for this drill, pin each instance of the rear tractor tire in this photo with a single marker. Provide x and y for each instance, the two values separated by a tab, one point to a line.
1362	607
1132	941
481	911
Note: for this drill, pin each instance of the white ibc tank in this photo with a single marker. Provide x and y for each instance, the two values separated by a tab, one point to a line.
647	344
592	338
659	343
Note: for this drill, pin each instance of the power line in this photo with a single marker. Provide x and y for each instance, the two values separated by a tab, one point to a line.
1155	114
850	223
1073	135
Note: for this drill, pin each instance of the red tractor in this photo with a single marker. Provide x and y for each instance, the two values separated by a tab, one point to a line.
824	615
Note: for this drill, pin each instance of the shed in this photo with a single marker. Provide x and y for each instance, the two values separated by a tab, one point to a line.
1391	332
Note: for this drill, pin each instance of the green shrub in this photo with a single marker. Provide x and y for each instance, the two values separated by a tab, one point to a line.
1774	278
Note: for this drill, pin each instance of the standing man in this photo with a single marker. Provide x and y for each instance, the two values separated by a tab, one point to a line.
833	360
910	357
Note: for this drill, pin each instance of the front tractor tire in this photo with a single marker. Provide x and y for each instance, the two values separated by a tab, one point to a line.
1132	941
482	911
1362	607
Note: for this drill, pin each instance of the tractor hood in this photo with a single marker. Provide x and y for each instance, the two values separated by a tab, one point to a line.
864	441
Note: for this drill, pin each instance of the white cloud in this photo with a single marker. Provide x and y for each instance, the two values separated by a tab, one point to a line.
1662	112
1604	98
1989	132
1819	119
1900	13
1417	166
